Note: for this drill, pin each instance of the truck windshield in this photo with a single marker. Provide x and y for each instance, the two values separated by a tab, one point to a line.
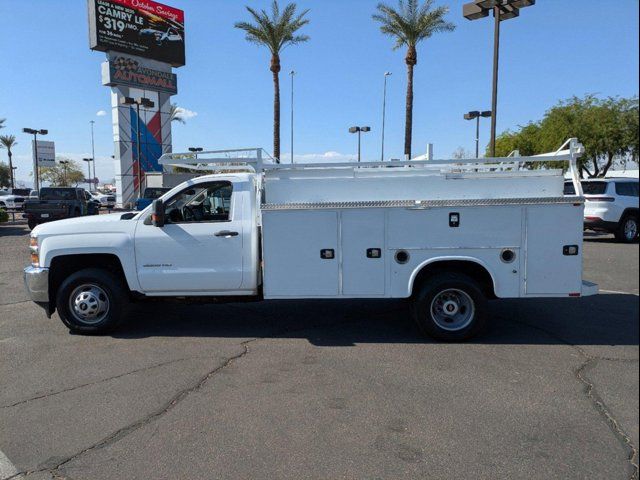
57	194
154	193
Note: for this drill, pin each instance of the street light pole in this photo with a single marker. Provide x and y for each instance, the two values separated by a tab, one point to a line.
502	10
64	171
93	152
145	102
494	88
36	169
475	114
292	73
359	130
88	160
384	108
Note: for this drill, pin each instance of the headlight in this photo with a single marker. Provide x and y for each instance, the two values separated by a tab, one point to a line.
33	247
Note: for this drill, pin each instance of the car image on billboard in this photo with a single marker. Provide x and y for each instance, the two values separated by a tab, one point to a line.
138	27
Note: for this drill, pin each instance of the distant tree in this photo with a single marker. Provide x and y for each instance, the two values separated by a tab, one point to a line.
526	141
409	24
8	142
608	129
275	31
2	120
5	176
461	153
63	175
176	114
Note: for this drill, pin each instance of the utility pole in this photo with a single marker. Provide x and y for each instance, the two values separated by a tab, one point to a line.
292	73
384	108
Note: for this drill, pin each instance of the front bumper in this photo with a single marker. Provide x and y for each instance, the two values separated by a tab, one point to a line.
36	281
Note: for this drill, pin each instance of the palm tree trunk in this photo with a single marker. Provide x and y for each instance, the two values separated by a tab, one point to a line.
275	69
11	168
411	59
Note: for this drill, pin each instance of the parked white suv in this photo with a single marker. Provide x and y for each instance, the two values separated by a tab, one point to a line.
611	206
10	201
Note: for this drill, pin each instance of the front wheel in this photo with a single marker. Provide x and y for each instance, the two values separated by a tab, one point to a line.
450	307
92	301
32	224
628	229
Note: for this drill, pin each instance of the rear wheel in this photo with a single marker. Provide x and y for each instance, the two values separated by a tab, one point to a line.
450	307
32	224
92	301
628	229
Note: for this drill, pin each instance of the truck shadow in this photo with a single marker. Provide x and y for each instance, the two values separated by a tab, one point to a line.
599	320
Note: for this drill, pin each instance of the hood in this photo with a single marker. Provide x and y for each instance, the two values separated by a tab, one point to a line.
90	224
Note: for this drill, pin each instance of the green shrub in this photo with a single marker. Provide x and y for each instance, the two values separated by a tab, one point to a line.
4	216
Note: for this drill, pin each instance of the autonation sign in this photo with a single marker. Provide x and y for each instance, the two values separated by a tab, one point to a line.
123	70
138	27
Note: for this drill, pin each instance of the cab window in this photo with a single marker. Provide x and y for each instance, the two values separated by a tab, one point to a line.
206	202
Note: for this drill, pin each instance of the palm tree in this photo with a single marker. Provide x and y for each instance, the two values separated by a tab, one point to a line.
8	142
2	120
275	31
410	24
175	114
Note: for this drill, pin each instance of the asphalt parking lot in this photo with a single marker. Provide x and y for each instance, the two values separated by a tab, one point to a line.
333	389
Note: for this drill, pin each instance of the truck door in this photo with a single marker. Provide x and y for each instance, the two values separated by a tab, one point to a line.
199	249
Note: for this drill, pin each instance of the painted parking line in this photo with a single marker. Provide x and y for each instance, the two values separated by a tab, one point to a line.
6	467
618	292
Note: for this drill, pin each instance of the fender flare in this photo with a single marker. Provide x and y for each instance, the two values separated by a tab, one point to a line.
449	258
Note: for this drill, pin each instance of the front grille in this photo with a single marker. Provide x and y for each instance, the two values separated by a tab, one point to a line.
111	199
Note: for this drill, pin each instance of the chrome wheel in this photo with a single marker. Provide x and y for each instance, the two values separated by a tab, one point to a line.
452	310
89	304
630	229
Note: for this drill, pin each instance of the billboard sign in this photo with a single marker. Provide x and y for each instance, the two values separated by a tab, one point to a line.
46	153
138	27
123	70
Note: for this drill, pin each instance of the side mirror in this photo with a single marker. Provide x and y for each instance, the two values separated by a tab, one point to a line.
157	213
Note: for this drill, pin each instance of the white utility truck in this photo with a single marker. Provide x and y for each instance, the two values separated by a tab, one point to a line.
445	234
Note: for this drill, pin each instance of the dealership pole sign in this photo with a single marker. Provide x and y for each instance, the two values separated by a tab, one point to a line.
138	27
143	40
124	70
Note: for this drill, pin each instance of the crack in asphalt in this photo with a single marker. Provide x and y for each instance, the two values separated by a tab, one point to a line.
591	393
181	395
89	384
602	408
128	429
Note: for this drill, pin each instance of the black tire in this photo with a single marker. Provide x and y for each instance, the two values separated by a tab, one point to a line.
463	295
99	287
32	224
627	226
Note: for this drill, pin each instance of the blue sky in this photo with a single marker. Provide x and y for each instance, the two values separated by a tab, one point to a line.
555	49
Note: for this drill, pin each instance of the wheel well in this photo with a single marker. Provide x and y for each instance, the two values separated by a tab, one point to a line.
64	265
467	267
629	212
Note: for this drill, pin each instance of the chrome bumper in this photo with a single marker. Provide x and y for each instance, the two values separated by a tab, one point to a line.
36	281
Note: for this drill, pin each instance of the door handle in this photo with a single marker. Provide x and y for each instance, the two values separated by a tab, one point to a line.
226	233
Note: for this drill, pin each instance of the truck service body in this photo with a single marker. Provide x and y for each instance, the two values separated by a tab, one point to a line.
446	234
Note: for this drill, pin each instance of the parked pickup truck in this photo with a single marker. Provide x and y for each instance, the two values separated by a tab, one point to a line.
446	236
56	203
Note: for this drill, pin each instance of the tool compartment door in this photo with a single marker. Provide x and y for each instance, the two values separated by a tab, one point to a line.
300	253
363	250
549	271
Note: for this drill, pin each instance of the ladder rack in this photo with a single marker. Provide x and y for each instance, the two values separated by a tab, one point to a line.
257	160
